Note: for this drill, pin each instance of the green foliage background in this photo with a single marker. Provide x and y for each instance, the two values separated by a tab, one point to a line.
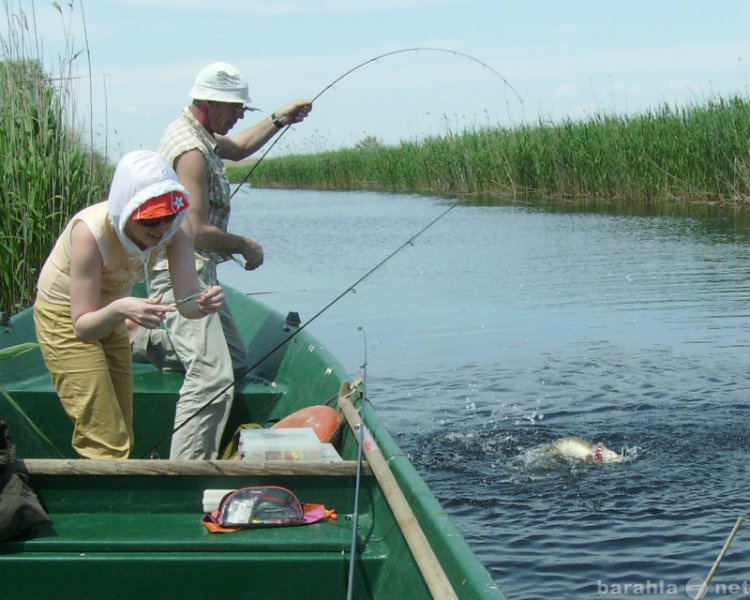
46	172
697	153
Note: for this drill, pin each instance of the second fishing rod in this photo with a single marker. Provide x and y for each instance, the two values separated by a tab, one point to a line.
150	453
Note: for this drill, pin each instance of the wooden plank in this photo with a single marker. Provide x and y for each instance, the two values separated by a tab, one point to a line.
61	467
428	563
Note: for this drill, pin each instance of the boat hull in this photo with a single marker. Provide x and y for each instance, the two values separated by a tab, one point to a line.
132	528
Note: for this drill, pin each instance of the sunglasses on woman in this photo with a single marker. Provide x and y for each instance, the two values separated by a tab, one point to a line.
152	223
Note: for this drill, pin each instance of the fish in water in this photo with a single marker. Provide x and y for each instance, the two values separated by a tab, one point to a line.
578	449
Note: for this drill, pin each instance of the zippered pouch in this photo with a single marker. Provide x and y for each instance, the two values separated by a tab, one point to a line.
263	506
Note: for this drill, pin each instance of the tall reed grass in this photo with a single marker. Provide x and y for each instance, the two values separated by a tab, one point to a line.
47	171
697	153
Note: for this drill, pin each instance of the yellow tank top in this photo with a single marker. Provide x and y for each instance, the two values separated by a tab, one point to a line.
119	272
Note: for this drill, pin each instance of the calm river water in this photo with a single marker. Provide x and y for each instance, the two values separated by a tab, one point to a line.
503	328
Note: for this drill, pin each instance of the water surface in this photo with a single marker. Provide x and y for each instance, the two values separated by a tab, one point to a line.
503	328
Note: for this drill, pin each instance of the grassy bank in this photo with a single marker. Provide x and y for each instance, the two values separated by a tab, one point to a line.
695	154
47	172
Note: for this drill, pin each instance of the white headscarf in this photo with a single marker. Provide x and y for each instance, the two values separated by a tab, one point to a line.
140	176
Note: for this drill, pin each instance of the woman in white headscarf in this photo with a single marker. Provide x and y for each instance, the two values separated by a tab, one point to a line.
84	297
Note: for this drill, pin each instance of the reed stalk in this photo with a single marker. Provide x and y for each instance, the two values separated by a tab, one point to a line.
48	173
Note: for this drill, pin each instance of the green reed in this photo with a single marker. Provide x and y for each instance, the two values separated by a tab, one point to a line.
693	154
47	173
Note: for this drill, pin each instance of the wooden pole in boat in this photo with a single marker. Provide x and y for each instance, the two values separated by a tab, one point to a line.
710	576
436	579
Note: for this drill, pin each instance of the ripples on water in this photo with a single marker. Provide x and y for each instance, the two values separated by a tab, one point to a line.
504	329
553	529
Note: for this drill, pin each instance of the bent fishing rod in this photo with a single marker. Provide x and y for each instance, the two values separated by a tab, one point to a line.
364	64
352	288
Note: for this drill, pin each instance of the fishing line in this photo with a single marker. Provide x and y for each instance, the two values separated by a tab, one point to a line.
352	288
358	485
359	66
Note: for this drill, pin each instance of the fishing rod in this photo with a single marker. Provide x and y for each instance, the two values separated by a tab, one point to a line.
358	481
352	288
359	66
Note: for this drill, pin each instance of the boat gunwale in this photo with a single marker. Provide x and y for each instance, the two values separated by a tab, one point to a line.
223	468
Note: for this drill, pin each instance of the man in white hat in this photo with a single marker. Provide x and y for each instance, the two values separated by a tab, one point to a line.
195	145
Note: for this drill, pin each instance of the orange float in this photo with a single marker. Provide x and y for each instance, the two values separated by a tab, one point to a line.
323	419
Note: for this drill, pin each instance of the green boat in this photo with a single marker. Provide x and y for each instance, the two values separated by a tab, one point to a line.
133	528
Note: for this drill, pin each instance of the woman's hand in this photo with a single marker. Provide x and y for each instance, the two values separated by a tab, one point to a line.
146	312
211	300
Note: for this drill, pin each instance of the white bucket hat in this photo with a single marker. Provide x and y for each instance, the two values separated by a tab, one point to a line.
221	82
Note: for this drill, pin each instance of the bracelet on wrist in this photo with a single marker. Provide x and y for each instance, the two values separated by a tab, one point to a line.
275	119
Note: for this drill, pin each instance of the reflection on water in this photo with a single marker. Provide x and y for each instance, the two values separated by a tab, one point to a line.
505	328
726	220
